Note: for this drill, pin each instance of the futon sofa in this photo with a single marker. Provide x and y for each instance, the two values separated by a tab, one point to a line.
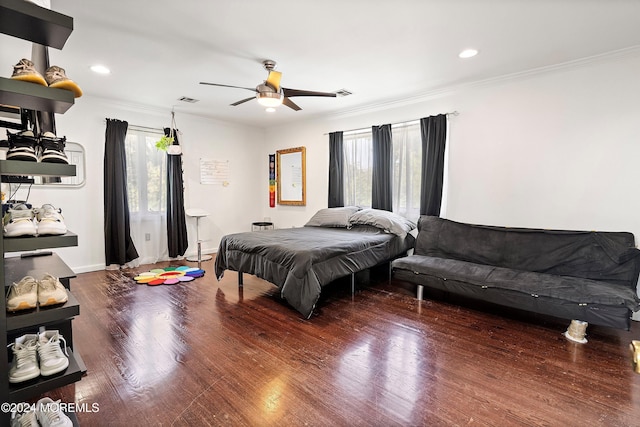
586	276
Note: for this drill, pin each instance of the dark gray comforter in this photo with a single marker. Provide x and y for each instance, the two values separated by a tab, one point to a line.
302	260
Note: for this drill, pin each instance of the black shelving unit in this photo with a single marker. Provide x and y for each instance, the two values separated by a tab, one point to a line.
29	321
26	20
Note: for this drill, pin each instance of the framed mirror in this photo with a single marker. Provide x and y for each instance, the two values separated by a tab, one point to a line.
291	176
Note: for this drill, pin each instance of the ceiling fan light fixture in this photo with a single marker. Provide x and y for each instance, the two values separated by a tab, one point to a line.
269	99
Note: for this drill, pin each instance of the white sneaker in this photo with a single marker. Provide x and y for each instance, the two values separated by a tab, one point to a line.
23	295
49	414
52	359
50	220
24	419
51	291
19	221
25	364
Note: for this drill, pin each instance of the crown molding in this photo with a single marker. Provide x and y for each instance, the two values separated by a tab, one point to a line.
489	82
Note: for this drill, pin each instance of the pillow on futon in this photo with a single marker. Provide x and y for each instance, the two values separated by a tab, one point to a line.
332	217
385	220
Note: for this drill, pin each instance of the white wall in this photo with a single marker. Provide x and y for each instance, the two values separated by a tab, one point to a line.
553	149
231	208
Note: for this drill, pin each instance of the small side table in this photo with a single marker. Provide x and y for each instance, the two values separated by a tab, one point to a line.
198	213
261	225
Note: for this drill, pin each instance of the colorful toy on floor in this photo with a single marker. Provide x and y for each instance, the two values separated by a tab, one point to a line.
168	276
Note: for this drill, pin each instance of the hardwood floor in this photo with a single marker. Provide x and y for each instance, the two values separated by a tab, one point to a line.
207	353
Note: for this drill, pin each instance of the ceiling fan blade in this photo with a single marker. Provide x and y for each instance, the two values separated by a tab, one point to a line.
243	101
289	103
296	92
236	87
273	79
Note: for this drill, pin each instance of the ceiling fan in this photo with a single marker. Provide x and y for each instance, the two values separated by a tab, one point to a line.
270	94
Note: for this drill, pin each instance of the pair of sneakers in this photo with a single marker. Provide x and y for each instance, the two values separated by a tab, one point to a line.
46	413
37	354
26	147
22	220
54	76
29	292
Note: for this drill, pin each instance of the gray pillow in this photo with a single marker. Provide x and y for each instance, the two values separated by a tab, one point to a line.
332	217
384	220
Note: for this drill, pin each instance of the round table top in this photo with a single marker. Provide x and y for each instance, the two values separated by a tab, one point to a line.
196	212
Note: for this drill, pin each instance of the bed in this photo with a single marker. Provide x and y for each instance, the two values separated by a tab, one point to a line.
300	261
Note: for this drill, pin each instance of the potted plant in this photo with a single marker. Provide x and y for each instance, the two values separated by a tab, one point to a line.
166	142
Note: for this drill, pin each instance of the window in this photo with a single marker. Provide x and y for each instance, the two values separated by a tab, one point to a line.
407	168
147	195
358	172
146	173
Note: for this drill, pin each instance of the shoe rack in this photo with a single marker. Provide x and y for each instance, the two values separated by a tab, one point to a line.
25	20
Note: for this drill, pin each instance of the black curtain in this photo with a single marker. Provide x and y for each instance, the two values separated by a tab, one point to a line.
118	245
177	240
336	177
382	168
434	134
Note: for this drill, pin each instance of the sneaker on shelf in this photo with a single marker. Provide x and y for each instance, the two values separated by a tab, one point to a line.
25	70
22	146
52	359
51	291
49	413
49	220
23	295
24	419
57	77
19	221
25	363
52	149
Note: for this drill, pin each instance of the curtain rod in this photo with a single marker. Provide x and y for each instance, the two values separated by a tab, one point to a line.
147	129
143	128
452	113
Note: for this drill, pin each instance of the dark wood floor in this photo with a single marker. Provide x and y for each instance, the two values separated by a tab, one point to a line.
204	353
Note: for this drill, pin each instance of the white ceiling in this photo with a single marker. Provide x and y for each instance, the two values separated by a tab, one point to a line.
381	51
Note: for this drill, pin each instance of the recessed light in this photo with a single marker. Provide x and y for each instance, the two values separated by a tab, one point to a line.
100	69
468	53
270	110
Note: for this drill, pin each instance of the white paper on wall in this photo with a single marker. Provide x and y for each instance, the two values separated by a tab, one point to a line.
214	172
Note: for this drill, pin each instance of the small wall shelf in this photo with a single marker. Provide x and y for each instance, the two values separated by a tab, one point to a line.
28	21
21	168
28	390
43	316
19	244
33	96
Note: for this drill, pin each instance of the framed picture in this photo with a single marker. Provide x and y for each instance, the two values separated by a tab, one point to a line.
291	176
